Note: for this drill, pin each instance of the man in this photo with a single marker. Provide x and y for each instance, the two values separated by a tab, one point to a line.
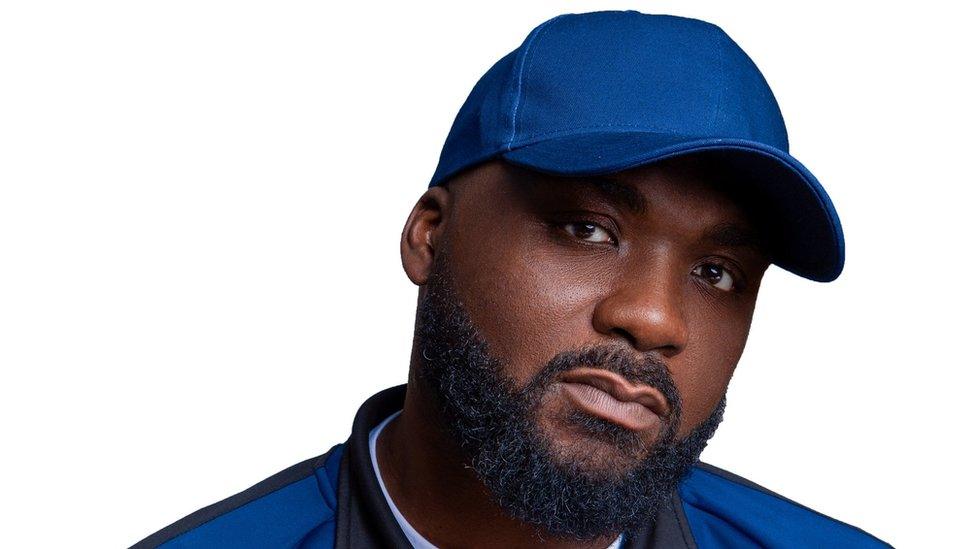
589	254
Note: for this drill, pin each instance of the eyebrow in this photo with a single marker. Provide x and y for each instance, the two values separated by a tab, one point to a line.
619	192
730	235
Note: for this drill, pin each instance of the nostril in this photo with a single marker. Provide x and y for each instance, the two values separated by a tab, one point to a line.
668	351
625	335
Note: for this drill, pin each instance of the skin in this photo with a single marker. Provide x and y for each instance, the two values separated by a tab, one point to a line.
545	264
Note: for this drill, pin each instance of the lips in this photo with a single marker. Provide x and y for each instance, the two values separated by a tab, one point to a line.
609	396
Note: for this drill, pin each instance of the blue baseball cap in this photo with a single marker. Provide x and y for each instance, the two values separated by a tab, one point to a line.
596	93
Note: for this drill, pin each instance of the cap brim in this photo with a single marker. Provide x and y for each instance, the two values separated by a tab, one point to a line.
807	238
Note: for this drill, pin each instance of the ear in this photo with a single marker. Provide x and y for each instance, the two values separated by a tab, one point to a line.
423	233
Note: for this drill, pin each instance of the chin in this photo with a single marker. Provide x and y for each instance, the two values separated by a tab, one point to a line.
593	447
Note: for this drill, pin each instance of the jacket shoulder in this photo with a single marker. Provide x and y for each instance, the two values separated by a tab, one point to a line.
295	507
726	510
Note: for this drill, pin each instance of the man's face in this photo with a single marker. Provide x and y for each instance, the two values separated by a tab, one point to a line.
602	317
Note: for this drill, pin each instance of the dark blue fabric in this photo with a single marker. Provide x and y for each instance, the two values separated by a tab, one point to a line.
624	71
725	513
300	514
721	512
594	93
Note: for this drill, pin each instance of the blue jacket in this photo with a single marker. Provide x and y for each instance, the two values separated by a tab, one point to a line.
334	501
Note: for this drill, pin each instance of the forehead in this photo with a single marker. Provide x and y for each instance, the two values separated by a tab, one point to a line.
686	199
688	192
680	204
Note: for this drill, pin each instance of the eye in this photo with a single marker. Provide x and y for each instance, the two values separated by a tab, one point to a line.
590	232
716	275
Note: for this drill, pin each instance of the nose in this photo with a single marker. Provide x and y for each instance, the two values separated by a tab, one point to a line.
645	307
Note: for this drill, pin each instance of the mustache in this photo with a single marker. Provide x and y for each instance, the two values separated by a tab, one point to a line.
645	369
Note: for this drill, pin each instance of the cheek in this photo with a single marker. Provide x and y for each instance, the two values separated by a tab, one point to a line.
703	371
529	302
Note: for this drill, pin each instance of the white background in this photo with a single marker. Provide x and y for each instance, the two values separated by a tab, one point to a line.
200	210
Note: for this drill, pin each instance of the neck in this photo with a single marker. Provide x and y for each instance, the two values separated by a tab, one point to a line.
437	492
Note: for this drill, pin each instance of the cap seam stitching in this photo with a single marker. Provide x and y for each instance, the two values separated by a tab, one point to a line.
521	71
721	90
570	131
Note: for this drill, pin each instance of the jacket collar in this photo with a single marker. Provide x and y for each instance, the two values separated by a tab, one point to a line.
365	520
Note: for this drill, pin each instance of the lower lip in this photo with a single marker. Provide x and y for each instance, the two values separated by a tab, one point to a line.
629	415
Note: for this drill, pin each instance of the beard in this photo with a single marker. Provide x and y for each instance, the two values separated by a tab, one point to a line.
496	425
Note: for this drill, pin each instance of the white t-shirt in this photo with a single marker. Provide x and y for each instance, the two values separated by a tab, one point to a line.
418	541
